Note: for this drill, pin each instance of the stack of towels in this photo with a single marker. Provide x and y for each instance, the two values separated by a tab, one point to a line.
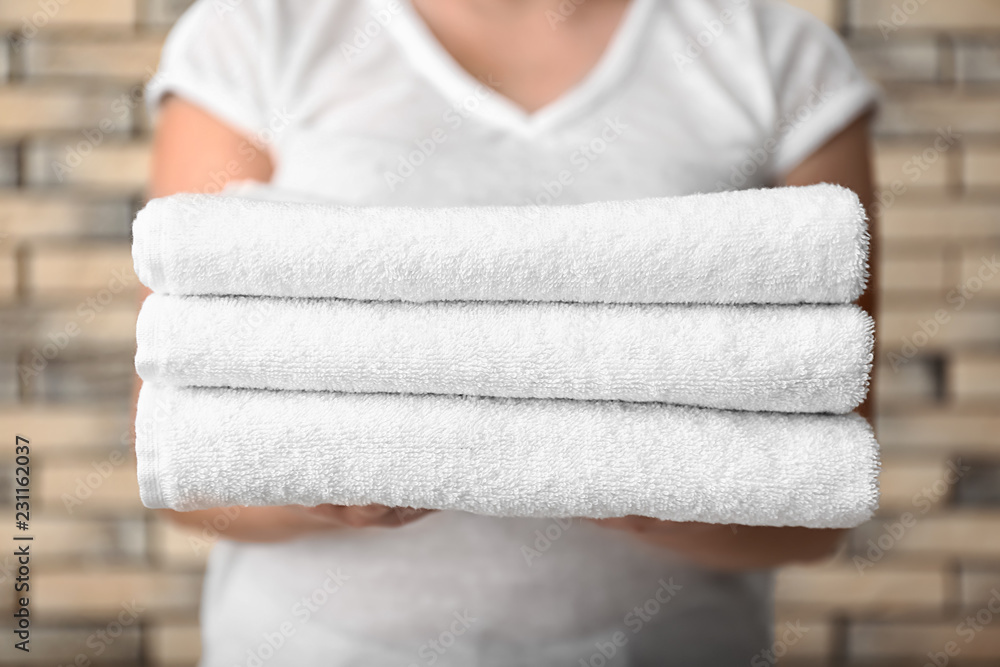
693	358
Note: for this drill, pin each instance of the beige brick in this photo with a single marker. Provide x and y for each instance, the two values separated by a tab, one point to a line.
936	221
981	271
171	645
902	481
30	17
915	640
40	334
162	12
76	646
59	429
4	61
978	60
974	378
8	570
827	11
914	382
915	164
117	167
77	539
102	270
131	58
928	109
912	273
934	329
835	589
106	593
8	274
933	14
803	639
88	488
44	213
899	59
9	387
959	432
979	587
70	346
144	125
8	166
12	333
181	547
111	326
31	109
84	376
982	165
966	534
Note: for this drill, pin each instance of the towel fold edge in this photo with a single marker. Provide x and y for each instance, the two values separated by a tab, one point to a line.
146	451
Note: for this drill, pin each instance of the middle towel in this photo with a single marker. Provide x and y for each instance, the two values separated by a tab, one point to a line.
761	358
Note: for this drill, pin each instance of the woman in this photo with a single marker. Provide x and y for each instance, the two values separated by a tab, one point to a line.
447	102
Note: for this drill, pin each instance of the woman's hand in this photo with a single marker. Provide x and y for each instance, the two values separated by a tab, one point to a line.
364	516
730	547
288	522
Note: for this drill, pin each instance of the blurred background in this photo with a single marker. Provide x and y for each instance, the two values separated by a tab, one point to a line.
112	585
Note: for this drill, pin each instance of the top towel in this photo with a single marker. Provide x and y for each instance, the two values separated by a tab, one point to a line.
782	245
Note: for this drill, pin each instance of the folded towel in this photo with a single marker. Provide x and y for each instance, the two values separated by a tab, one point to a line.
784	245
783	358
206	447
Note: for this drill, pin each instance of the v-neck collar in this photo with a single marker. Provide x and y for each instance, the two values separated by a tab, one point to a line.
464	91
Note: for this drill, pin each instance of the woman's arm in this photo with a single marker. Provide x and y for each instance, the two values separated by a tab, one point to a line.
195	152
845	160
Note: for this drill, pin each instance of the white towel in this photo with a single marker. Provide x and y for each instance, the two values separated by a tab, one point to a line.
200	448
784	245
783	358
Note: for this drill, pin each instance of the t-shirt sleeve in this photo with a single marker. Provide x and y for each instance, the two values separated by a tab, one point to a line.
215	57
819	90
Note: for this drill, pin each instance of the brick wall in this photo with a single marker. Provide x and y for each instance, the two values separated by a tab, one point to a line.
903	587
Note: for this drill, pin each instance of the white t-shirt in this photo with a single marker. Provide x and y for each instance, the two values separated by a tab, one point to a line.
358	103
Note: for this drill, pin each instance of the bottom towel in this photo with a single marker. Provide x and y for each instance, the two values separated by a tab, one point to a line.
208	447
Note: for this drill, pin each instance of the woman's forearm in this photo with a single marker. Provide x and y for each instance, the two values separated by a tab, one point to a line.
248	524
733	547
